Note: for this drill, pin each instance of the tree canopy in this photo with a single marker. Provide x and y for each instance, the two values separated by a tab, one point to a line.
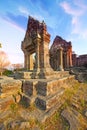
4	61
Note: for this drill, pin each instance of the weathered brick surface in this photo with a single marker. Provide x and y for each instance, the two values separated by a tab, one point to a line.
25	101
47	102
50	87
28	88
9	87
9	92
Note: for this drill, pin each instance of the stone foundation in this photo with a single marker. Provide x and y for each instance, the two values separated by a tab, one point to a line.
40	75
46	93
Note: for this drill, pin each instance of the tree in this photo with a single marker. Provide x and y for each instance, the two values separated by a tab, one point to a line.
4	61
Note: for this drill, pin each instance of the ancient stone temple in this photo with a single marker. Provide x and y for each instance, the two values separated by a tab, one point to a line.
41	85
60	54
36	41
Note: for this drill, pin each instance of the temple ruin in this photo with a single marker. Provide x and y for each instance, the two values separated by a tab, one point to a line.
36	42
40	88
60	54
42	84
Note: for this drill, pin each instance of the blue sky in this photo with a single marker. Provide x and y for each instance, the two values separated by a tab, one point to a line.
66	18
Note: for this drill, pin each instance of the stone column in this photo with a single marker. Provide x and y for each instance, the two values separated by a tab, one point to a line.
67	60
37	56
25	61
46	54
70	59
31	62
61	59
28	61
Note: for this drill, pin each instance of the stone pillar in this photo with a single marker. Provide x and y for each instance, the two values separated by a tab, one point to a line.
46	54
61	59
26	61
31	62
64	60
37	56
70	59
67	60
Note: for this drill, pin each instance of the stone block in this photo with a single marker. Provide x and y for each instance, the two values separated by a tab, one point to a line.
47	102
28	88
25	101
50	87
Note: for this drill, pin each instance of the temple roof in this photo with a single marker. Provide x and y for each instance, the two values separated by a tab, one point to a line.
60	42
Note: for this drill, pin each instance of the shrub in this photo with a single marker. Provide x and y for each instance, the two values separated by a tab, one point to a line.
7	72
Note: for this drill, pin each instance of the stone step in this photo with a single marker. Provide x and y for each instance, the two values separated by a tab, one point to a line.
48	74
29	87
22	75
50	87
47	102
26	100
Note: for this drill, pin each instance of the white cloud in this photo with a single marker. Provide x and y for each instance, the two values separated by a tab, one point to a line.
80	4
11	37
76	13
74	20
23	10
69	10
84	34
12	23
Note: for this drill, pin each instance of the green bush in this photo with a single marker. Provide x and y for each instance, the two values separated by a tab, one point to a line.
7	72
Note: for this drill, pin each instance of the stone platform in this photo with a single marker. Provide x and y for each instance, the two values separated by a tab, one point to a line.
45	93
40	75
